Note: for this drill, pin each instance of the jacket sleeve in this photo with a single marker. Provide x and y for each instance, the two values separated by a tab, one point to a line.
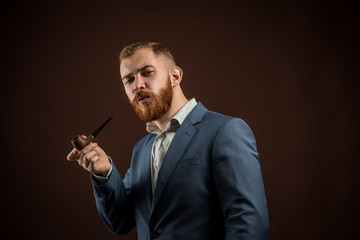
238	179
113	201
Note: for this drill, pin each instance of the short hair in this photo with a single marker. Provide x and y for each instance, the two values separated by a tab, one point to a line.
157	48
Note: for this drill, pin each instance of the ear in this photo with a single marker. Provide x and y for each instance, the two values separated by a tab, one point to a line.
176	74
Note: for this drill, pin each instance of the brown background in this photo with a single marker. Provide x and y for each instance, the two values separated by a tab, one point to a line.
290	70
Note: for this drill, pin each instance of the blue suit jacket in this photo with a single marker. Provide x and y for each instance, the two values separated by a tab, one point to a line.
209	186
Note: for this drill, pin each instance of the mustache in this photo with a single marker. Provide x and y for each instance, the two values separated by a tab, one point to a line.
140	95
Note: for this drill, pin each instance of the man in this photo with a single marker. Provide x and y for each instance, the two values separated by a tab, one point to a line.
196	175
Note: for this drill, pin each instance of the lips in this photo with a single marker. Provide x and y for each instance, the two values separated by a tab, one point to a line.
143	99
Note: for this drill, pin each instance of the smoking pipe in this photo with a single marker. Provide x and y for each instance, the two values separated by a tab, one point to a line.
79	143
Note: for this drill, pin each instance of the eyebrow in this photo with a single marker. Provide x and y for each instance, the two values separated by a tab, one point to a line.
137	70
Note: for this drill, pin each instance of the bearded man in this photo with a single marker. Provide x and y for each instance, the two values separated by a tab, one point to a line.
196	175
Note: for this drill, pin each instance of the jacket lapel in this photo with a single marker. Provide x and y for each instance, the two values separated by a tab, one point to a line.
176	149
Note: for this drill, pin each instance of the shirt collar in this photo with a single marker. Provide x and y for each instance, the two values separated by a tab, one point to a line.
175	121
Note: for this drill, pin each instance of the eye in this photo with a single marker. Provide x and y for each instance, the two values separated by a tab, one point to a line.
129	80
147	73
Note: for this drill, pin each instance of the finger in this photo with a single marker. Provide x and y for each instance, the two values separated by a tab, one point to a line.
93	163
89	155
80	158
94	159
73	155
99	151
88	158
89	148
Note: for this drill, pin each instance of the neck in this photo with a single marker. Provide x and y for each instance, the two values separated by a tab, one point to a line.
178	101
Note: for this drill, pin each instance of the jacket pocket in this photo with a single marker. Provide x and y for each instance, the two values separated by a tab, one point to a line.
188	162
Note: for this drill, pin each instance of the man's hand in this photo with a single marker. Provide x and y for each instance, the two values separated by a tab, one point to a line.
92	158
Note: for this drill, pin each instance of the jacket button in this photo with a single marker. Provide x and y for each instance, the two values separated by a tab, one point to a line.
154	234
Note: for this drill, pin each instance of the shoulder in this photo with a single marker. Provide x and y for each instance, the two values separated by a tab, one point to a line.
222	121
228	127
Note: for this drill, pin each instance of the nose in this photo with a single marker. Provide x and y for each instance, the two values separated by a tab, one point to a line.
139	83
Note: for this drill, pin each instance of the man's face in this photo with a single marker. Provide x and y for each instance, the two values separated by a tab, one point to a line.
147	84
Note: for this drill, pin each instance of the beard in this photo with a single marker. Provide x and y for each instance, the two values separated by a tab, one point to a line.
156	105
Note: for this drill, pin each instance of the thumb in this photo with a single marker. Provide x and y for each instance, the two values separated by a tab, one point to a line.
73	155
